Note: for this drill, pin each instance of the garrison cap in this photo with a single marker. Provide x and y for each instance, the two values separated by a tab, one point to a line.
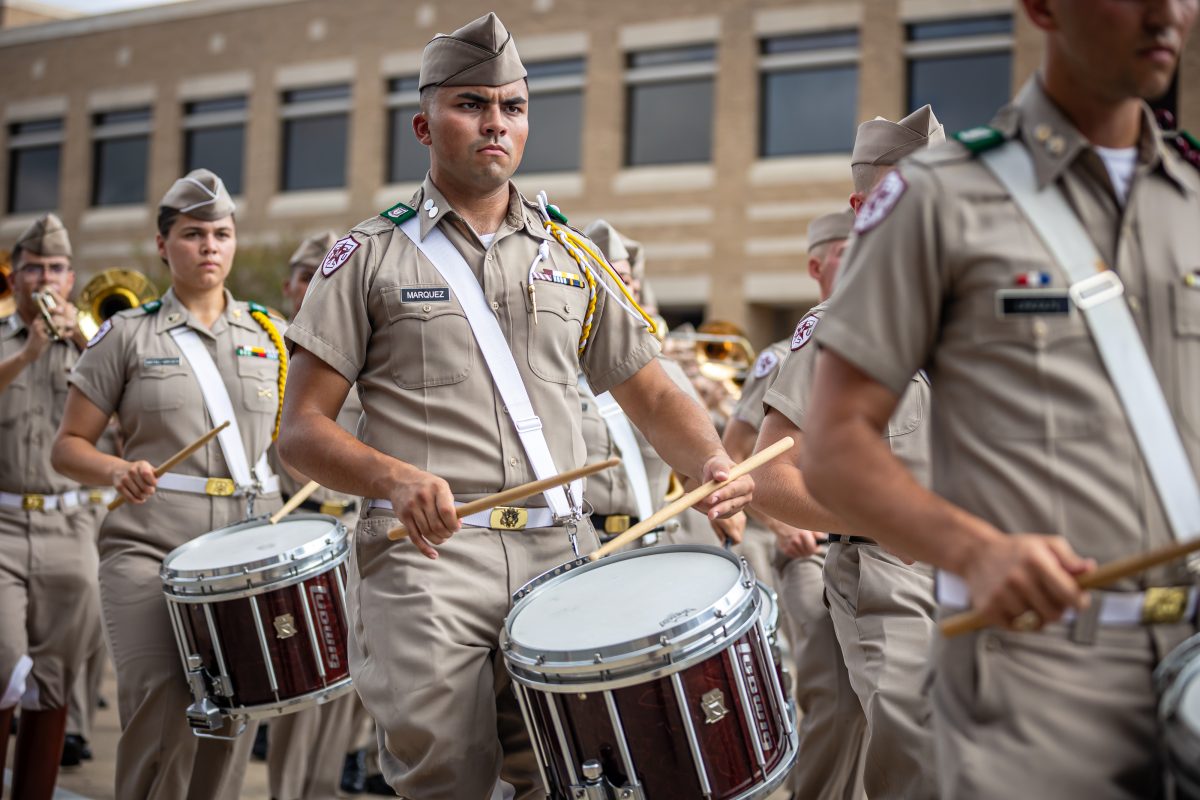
200	194
47	236
830	228
608	240
312	250
480	53
880	142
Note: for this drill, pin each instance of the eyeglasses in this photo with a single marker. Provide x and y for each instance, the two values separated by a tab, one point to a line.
54	268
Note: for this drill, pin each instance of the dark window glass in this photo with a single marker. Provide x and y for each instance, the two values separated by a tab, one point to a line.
123	116
218	149
215	105
964	91
554	69
555	132
954	28
317	93
408	84
35	126
788	125
674	55
314	152
119	171
408	159
670	123
803	43
33	179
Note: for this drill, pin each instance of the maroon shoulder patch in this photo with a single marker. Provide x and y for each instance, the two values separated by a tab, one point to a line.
338	254
804	332
881	202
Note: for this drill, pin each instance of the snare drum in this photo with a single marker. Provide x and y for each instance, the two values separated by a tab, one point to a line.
648	675
259	613
1178	682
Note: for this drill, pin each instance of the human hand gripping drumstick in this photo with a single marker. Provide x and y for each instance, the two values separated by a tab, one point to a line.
519	492
693	497
165	467
1104	575
294	501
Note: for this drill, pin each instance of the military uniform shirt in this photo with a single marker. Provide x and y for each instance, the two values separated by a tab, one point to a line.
749	408
1028	432
387	320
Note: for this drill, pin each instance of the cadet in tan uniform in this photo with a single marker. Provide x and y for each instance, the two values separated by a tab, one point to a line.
427	611
1034	460
306	749
832	728
47	551
882	608
144	366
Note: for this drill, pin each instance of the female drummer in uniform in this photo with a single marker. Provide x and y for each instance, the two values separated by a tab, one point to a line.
170	371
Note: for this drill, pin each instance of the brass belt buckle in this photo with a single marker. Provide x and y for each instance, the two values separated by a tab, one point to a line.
1163	605
616	523
508	518
33	502
95	496
334	508
219	487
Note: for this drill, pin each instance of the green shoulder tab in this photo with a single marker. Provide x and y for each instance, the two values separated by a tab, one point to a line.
556	213
258	307
1191	140
979	139
399	214
151	307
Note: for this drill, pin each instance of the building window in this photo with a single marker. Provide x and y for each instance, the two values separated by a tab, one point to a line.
120	155
316	124
555	116
962	67
809	93
669	110
33	159
214	137
408	159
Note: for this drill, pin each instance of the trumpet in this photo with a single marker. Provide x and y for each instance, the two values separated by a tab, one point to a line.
8	304
46	305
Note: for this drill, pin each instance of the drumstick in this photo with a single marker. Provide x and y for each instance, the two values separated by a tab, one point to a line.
519	492
175	459
294	501
1104	575
694	496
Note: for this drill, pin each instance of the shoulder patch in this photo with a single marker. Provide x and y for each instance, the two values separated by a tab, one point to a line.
881	202
804	331
980	138
398	213
339	254
766	362
100	334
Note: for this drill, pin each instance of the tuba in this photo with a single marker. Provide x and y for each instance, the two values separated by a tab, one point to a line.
110	292
8	304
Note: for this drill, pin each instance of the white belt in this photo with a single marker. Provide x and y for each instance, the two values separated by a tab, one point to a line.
1153	606
214	487
496	518
41	502
99	496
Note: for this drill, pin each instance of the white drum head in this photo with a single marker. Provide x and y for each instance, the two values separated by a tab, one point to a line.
1189	704
247	544
624	600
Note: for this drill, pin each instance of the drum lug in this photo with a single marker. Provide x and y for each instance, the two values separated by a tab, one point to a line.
597	787
202	714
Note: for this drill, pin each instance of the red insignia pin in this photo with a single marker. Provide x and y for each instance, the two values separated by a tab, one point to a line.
804	332
338	254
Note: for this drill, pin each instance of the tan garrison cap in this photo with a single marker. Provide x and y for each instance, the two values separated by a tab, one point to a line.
608	240
47	236
200	194
830	228
480	53
880	142
312	250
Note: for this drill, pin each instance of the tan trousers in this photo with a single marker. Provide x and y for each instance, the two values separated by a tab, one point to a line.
832	728
1038	715
758	548
425	660
882	611
48	605
306	750
85	694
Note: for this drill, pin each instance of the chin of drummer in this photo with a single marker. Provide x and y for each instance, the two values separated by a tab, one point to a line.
136	481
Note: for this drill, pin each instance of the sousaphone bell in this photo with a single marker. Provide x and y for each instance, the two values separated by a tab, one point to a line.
110	292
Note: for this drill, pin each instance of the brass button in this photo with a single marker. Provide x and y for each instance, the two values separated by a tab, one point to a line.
427	308
1056	145
1042	132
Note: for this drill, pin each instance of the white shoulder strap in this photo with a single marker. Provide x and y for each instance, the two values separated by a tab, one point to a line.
499	358
631	454
1097	292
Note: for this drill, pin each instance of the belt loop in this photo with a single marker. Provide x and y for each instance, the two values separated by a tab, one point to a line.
1083	629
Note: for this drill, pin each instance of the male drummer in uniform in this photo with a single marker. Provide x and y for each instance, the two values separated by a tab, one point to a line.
1034	464
427	611
48	561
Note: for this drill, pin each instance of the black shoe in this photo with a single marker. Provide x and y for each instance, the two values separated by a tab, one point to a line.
101	701
75	750
375	784
259	751
354	772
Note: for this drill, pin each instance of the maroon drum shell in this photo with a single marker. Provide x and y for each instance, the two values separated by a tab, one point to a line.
658	744
292	656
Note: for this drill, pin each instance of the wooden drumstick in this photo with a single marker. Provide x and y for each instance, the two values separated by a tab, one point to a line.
1104	575
694	496
164	467
294	501
519	492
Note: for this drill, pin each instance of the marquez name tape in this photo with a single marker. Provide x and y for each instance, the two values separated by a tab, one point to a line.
435	294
